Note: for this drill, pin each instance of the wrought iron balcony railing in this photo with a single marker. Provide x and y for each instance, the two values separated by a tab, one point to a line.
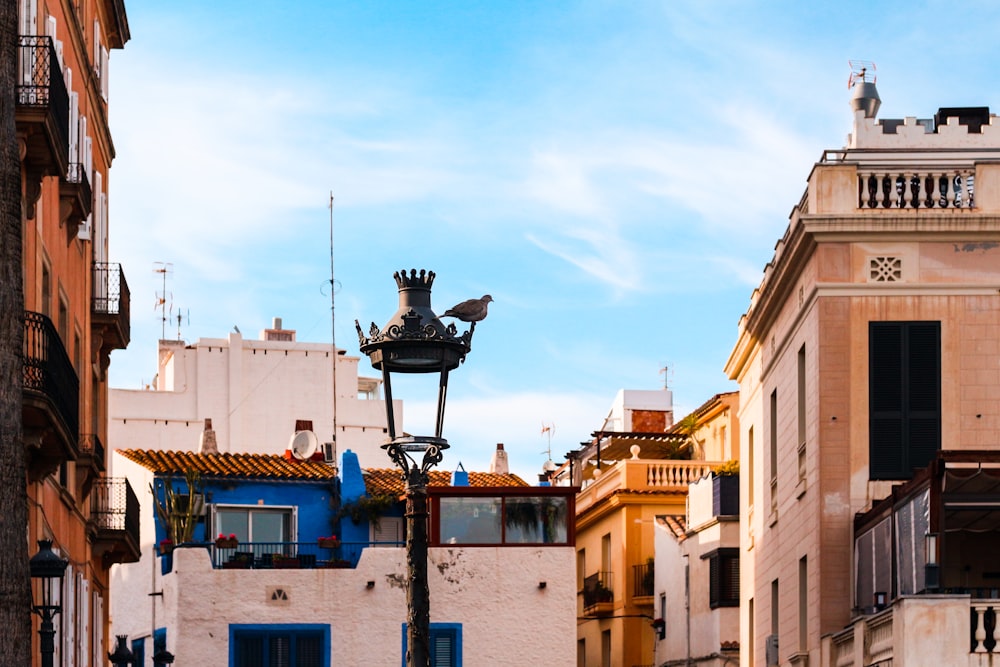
40	86
48	372
111	302
114	518
597	589
642	580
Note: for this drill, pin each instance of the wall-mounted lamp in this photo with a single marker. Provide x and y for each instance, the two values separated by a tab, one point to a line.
880	600
123	656
542	584
932	573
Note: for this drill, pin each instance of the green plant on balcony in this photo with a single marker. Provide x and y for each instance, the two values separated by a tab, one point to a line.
366	508
178	511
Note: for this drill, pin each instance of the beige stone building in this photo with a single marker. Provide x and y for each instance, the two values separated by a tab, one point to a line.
870	350
636	468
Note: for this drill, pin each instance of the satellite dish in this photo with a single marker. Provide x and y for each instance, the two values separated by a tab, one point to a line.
303	445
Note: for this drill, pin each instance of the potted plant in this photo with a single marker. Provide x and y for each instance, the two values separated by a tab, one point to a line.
166	546
328	542
226	542
726	489
367	508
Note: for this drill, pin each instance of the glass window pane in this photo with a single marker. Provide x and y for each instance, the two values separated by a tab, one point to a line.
540	520
269	526
470	520
233	522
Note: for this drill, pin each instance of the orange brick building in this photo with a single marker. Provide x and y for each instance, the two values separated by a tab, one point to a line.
76	308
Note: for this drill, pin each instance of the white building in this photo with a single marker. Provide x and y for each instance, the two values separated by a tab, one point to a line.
283	595
254	391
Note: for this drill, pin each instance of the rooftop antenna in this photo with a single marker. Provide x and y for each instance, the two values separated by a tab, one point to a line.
665	372
183	317
548	430
333	332
162	297
864	95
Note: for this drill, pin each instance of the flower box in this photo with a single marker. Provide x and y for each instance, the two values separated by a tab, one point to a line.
284	563
328	543
226	543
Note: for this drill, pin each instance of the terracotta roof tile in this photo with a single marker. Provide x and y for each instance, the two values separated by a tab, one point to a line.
270	466
675	523
390	480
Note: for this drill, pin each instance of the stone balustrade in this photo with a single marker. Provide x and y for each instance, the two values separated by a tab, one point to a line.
912	189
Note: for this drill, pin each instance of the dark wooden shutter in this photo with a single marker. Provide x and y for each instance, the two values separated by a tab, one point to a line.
904	397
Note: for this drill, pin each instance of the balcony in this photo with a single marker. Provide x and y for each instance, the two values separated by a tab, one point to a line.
110	302
598	597
50	398
76	199
42	113
643	475
313	555
91	462
921	630
113	526
642	583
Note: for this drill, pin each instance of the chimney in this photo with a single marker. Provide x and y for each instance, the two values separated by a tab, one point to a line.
498	464
206	442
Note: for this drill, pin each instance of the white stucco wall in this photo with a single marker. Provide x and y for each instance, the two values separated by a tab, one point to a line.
131	606
253	391
493	592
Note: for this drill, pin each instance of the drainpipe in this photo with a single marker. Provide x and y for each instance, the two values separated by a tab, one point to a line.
687	606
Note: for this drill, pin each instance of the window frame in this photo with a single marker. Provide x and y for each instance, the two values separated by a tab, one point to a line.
296	630
439	631
902	430
723	575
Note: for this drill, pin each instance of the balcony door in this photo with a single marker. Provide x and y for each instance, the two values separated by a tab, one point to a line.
254	523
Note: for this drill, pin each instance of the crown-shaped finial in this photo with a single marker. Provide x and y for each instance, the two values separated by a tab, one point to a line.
423	279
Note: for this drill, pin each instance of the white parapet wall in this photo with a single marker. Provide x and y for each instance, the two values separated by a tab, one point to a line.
506	617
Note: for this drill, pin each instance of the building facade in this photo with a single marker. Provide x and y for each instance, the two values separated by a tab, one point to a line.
628	479
869	350
276	575
254	391
76	304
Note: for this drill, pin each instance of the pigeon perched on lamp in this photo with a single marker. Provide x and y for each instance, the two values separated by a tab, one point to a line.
473	310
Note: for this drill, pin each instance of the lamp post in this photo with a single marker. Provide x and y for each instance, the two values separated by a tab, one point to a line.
48	567
416	341
123	656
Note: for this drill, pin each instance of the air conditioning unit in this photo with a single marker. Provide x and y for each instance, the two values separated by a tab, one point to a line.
771	651
329	452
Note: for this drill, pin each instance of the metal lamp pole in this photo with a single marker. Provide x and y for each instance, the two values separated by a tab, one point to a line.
48	567
416	341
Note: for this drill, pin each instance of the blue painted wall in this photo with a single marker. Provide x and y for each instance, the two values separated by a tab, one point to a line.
316	502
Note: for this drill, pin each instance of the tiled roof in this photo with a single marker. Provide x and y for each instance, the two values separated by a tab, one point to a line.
390	480
675	523
269	466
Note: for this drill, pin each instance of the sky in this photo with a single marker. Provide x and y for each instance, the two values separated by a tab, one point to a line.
614	174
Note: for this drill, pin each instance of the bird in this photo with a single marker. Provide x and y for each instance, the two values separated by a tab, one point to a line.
472	310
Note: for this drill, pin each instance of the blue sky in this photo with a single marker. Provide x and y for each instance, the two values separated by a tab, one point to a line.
614	174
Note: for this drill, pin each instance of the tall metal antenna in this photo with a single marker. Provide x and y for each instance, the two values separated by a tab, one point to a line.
166	309
333	330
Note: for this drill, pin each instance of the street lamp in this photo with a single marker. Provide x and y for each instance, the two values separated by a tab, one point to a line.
123	656
416	341
48	567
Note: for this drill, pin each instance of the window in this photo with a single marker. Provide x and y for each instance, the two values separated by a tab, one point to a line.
503	519
774	450
139	651
279	645
904	397
750	466
723	577
581	653
255	523
803	604
445	645
581	568
802	413
606	648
